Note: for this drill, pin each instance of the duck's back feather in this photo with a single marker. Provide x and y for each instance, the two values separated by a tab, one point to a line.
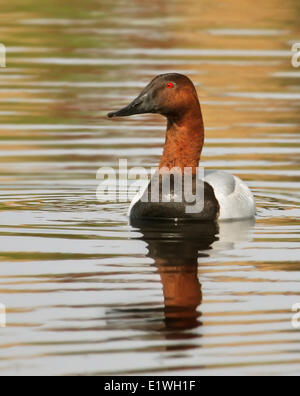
234	196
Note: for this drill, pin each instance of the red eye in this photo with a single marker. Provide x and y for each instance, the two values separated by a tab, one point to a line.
170	85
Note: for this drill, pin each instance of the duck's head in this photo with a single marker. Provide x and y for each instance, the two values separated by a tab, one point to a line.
170	95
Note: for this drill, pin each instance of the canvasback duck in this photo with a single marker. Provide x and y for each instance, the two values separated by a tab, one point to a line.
225	196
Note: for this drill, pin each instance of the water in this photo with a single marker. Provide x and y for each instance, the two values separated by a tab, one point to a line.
85	292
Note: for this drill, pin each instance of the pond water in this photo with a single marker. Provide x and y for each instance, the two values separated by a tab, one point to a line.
85	292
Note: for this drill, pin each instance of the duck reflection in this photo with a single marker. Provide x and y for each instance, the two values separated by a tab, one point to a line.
175	249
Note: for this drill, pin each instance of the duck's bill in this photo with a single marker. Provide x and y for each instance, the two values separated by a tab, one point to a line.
126	111
140	105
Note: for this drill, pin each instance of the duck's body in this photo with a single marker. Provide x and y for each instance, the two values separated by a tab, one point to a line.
218	195
226	197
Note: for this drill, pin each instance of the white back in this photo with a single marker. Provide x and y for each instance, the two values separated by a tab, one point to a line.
234	196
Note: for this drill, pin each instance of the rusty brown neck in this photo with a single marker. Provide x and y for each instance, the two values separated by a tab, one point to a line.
184	140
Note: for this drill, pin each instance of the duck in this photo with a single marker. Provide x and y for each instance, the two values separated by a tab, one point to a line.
224	197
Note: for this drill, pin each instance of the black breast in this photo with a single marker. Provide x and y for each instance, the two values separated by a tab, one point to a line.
193	199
